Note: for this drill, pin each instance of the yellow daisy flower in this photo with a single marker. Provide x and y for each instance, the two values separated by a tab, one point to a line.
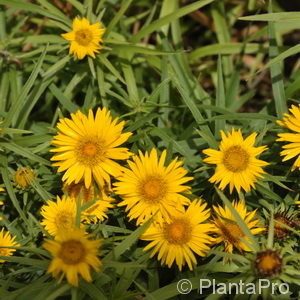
59	215
73	254
6	240
236	161
228	230
88	146
150	187
96	211
185	235
85	38
23	177
292	149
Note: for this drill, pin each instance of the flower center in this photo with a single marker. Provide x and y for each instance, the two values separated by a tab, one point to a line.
153	189
75	188
90	152
178	232
64	220
83	37
268	263
280	231
72	252
236	159
90	149
231	231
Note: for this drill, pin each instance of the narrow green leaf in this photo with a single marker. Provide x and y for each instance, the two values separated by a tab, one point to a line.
124	6
276	74
169	18
64	101
227	48
92	290
126	243
12	195
280	57
16	107
110	67
275	17
35	8
56	67
24	152
58	292
270	239
220	101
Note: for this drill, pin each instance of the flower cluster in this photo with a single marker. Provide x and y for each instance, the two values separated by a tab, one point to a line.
155	191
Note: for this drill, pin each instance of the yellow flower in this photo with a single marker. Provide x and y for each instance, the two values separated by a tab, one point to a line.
97	211
23	177
150	187
292	149
6	240
88	146
228	230
236	161
85	38
2	189
73	254
59	215
185	235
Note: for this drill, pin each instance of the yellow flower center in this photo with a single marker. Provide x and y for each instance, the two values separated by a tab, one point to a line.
268	263
83	37
236	159
90	149
64	220
90	152
72	252
231	231
74	190
153	189
178	232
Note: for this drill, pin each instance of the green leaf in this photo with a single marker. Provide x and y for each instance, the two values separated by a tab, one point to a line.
280	57
169	18
275	17
27	6
124	6
16	107
220	101
226	48
56	67
276	73
41	264
64	101
118	250
92	290
24	152
12	195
